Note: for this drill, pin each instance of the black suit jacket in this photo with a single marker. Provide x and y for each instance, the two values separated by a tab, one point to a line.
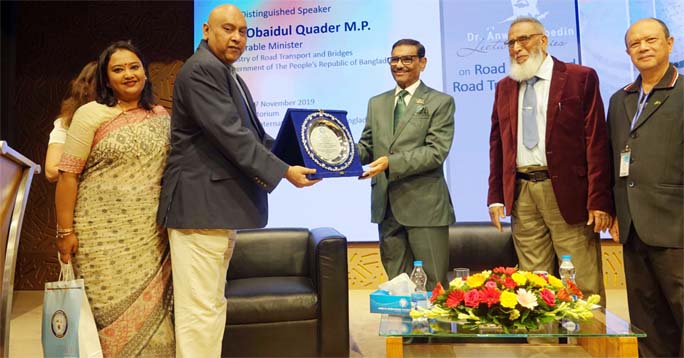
220	167
652	196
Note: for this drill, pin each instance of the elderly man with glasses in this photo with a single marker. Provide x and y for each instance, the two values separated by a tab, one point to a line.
549	158
406	140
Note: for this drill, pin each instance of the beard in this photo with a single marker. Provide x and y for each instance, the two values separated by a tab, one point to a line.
526	70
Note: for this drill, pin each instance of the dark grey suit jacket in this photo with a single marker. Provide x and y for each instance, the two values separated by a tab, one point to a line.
220	167
414	187
652	196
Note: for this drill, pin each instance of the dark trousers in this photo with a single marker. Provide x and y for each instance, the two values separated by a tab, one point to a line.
655	294
401	245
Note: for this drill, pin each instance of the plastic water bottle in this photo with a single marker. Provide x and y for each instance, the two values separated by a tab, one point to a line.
567	270
419	297
567	273
418	277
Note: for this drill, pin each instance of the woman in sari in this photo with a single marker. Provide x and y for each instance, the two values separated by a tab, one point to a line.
106	201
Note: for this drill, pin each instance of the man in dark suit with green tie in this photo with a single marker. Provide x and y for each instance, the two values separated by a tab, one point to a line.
406	140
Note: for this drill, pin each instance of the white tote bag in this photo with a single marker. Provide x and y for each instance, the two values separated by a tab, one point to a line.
68	324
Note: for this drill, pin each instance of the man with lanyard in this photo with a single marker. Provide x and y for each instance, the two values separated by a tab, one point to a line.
646	126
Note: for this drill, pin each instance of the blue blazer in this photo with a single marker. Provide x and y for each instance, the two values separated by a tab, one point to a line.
220	167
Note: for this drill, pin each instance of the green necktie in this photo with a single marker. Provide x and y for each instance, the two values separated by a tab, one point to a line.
399	108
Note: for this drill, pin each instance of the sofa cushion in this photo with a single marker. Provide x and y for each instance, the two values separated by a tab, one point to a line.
264	253
271	299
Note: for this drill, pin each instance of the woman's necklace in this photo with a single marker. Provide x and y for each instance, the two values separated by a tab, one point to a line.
124	108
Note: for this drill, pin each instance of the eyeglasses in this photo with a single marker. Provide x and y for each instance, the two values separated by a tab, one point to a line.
522	40
405	60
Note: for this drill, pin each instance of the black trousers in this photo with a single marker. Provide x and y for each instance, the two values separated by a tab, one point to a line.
655	294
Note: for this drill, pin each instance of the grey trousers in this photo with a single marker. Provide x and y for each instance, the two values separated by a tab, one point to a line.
401	245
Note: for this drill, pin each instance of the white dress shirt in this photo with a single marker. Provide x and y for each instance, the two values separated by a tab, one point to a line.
410	89
536	155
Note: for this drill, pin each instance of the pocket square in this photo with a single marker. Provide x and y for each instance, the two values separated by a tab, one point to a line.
422	110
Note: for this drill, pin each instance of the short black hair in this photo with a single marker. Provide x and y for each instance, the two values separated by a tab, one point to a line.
103	93
411	42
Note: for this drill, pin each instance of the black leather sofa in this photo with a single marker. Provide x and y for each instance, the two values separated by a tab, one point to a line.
479	246
287	294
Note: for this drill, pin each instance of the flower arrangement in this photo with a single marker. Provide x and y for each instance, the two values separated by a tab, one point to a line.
509	298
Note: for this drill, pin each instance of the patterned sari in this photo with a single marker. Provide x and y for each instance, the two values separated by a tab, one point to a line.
122	255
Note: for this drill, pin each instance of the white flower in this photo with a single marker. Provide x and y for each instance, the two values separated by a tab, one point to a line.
527	299
457	283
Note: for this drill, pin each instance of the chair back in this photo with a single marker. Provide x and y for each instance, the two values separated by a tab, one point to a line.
270	253
479	246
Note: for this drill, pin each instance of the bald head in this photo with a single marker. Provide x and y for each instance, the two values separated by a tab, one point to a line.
652	21
226	33
649	45
218	14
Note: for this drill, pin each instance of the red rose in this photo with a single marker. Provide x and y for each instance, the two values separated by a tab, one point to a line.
548	297
472	298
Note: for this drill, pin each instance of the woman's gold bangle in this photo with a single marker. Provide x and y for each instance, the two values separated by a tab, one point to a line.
62	233
61	236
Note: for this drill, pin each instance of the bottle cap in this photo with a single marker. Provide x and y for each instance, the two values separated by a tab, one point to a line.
418	263
565	257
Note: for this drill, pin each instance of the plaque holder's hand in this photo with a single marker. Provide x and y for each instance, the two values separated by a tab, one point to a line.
297	176
376	167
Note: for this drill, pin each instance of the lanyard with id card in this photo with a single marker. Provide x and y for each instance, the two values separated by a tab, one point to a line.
624	161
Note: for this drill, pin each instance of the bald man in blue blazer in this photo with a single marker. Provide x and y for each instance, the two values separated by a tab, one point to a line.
217	177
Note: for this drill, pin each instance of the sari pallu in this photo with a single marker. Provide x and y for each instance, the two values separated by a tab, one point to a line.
123	256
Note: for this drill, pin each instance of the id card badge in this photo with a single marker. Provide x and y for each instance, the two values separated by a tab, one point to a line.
624	162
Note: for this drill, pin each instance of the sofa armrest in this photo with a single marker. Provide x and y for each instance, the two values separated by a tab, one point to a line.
329	270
